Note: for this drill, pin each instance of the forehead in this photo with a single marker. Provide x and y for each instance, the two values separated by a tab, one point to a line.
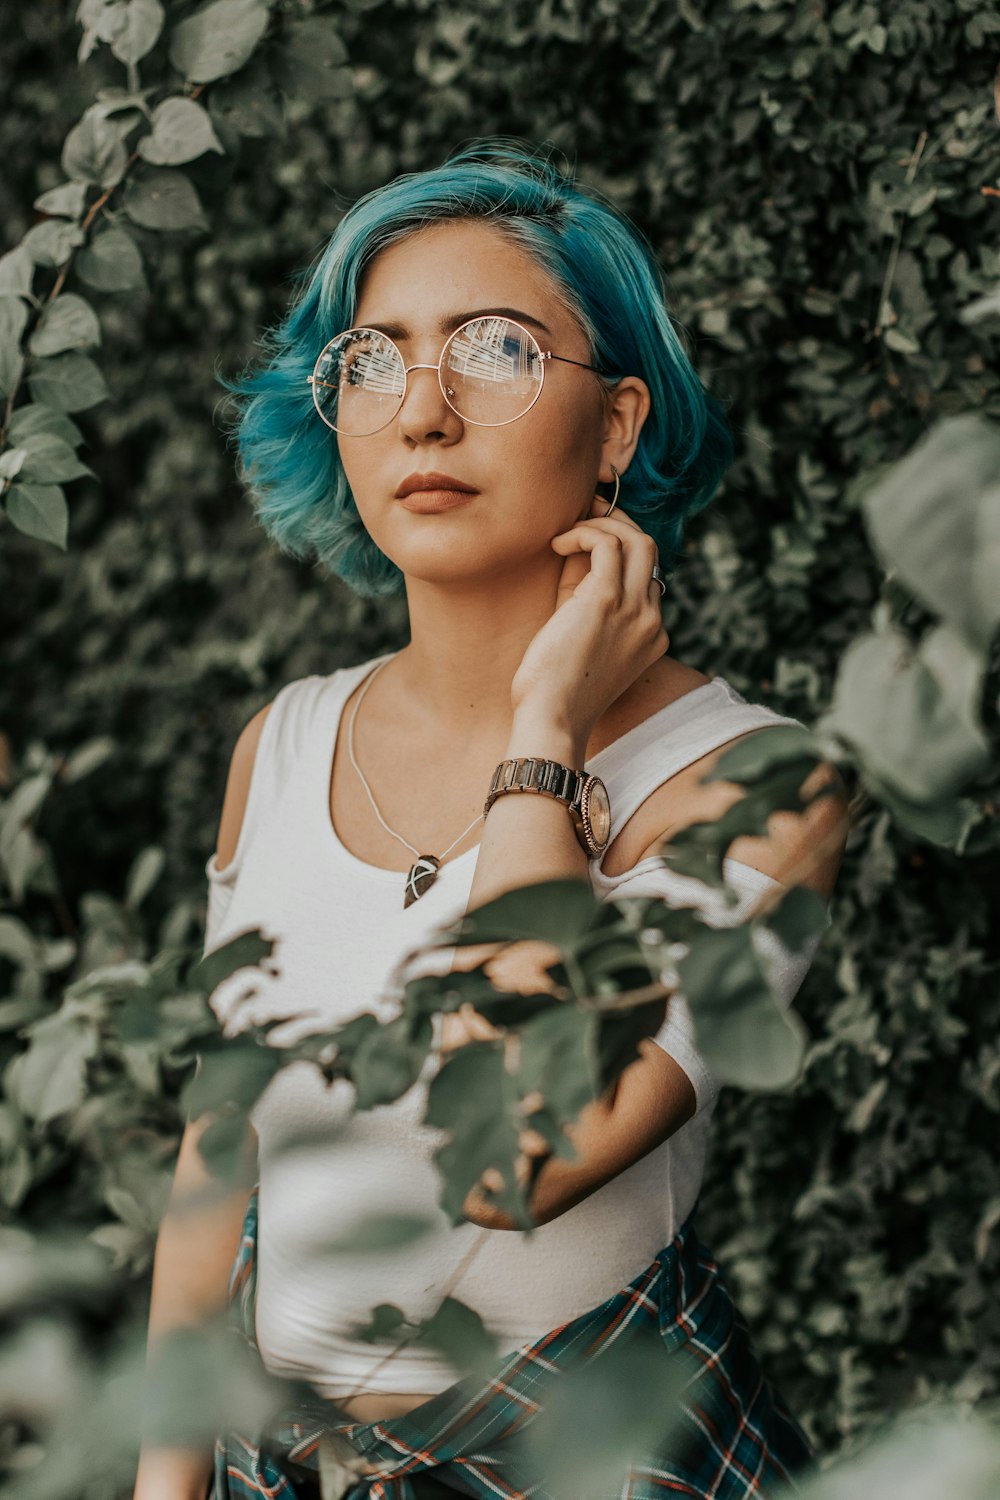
456	265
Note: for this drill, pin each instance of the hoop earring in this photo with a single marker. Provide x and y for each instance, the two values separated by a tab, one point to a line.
614	501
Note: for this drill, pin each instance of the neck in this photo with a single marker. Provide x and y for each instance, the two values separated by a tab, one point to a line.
467	642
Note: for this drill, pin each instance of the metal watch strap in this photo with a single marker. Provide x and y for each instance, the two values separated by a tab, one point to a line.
529	774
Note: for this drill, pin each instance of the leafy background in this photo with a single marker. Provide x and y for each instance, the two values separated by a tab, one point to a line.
821	184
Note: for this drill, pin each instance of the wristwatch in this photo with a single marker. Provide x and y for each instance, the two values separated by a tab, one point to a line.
583	793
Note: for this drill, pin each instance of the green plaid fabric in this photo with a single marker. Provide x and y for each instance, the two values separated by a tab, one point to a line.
735	1436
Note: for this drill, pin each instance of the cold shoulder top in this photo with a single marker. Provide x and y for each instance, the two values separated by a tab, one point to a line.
340	930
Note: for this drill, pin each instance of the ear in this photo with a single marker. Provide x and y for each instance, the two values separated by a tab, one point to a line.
626	409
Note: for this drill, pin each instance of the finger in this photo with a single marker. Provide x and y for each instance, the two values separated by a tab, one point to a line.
617	520
606	514
639	555
607	553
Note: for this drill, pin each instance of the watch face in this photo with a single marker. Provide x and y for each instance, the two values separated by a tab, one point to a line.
599	812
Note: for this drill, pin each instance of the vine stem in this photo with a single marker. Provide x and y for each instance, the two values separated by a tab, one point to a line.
60	280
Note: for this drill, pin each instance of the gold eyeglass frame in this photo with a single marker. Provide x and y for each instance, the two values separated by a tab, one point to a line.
313	380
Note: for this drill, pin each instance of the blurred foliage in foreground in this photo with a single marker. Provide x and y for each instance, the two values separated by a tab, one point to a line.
822	193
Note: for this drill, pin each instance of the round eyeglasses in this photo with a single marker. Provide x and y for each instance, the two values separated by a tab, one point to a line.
491	371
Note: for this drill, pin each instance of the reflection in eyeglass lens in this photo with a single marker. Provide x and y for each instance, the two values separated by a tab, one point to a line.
373	366
493	369
492	350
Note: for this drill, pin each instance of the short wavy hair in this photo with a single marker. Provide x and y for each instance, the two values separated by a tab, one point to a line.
607	275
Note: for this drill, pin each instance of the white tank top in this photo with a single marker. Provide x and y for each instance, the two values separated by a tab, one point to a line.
340	928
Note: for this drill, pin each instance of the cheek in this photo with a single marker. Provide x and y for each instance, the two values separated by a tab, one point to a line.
564	444
362	470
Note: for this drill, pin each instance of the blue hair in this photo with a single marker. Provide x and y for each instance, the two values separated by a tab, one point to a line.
608	276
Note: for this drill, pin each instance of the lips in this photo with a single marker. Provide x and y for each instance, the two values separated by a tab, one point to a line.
433	481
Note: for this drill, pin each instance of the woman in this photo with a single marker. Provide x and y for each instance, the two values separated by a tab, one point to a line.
476	349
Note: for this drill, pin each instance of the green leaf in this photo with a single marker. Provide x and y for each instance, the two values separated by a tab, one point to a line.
620	1034
182	130
556	911
50	1078
475	1101
385	1320
754	757
798	917
13	318
243	950
558	1058
218	39
912	715
39	510
247	105
67	200
234	1071
68	382
623	1403
946	822
35	417
742	1034
900	342
17	941
935	519
309	61
12	462
139	31
350	1039
699	849
101	20
389	1061
49	461
94	152
16	271
52	242
11	368
147	867
460	1334
67	323
112	262
222	1146
164	200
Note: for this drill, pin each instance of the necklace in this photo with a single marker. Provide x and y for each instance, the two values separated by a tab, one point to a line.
424	871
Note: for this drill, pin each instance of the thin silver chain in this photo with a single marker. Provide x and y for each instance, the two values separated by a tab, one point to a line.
371	799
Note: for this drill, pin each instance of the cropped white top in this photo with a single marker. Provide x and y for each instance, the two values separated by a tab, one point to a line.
340	929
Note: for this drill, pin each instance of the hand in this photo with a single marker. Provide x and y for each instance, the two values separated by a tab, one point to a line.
606	628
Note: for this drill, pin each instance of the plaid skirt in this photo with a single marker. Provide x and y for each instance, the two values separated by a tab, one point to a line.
731	1435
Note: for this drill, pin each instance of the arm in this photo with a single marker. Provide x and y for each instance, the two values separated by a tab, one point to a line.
653	1097
197	1242
195	1250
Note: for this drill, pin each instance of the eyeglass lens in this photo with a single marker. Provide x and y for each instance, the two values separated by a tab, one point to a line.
491	370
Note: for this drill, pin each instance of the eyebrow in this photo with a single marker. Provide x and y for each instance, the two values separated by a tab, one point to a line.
452	321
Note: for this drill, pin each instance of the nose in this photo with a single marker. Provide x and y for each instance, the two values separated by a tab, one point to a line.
425	413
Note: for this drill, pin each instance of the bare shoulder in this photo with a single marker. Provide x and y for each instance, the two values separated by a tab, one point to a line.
238	785
800	848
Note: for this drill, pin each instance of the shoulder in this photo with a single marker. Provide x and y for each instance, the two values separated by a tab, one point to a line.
811	841
234	802
290	711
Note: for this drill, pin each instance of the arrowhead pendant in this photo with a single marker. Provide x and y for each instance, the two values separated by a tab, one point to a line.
421	877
